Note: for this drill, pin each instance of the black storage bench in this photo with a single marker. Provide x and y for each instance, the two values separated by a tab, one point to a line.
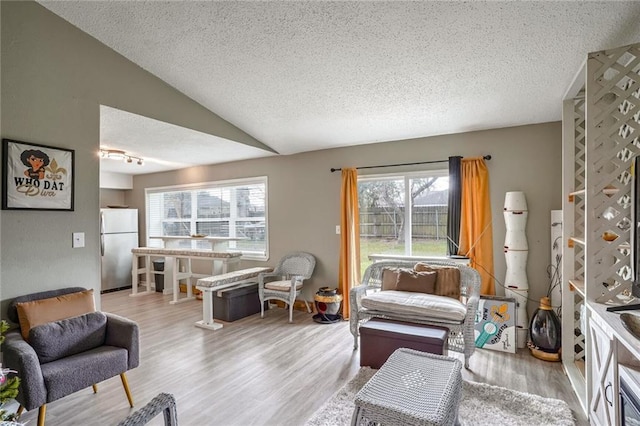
379	338
234	303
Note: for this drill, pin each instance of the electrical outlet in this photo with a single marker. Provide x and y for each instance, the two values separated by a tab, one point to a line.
78	240
337	229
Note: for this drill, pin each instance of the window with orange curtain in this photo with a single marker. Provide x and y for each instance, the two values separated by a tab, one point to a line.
476	232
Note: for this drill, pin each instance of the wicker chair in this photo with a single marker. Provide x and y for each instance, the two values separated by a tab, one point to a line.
286	280
164	403
461	333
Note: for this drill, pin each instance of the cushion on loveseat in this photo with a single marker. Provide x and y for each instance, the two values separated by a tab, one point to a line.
390	278
59	339
447	279
407	279
411	303
422	282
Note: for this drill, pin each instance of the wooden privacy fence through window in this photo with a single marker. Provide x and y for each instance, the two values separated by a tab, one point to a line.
429	222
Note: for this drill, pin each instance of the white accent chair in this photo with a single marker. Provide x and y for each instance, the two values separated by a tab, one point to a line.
460	323
286	281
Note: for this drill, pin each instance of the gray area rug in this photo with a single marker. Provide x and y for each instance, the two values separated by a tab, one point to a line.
481	405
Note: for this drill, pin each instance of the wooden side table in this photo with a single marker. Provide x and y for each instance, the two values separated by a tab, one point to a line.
411	388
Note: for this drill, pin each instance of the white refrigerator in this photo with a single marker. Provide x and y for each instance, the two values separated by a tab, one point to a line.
118	235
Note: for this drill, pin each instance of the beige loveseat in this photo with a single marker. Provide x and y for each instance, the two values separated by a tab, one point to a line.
455	313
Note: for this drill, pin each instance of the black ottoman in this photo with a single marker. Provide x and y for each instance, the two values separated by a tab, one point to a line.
379	338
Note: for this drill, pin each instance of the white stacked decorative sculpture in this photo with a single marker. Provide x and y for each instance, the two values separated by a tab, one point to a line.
515	252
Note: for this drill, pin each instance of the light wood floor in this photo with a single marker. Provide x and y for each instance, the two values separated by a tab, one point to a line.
257	371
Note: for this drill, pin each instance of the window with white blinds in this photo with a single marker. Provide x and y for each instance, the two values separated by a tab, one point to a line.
235	208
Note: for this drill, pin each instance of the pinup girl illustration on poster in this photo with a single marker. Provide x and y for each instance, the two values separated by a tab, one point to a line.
36	160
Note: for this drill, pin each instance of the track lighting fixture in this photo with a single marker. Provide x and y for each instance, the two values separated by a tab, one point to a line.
117	154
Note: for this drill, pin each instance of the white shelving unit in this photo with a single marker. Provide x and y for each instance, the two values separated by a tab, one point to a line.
601	137
573	231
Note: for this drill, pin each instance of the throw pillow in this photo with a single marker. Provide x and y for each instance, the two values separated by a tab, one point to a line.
36	312
447	279
418	282
389	278
59	339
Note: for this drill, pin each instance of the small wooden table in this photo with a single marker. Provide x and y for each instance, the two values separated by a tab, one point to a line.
220	260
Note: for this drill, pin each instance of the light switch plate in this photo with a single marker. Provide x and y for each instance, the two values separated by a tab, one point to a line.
78	240
337	229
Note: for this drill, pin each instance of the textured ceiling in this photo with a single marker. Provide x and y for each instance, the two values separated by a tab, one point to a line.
303	76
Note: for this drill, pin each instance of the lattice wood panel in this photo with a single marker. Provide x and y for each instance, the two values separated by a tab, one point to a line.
580	183
579	344
613	134
579	146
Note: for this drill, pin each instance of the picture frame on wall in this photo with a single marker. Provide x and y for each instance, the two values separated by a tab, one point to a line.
37	177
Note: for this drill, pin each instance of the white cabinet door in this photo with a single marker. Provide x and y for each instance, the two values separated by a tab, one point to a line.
604	387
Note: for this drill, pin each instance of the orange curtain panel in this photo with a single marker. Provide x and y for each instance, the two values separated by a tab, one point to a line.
349	271
476	233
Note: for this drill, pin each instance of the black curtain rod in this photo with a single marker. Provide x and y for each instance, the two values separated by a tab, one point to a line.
486	157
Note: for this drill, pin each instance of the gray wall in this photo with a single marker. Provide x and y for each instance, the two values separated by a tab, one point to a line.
304	197
54	77
112	197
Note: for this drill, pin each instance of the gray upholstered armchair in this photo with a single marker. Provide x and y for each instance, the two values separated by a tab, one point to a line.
286	280
63	357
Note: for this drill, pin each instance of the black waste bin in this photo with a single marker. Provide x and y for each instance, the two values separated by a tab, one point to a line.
158	265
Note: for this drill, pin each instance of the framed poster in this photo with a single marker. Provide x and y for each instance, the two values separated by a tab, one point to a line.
36	177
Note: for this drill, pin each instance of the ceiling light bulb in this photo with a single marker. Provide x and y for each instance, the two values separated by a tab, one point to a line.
140	162
128	159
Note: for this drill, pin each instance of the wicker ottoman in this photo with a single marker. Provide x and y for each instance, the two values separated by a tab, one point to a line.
411	388
379	338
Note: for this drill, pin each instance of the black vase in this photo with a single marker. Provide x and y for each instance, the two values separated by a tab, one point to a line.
546	332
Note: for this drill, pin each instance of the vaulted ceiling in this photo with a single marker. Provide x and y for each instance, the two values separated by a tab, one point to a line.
304	76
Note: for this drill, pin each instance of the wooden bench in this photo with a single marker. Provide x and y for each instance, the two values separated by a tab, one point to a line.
214	283
173	257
